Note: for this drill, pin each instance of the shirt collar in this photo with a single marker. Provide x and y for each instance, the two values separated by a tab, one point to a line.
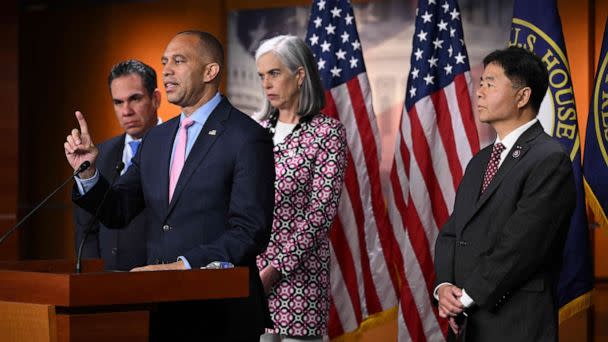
129	138
512	137
201	114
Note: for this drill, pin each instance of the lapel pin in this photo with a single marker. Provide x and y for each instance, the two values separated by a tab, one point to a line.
517	152
212	132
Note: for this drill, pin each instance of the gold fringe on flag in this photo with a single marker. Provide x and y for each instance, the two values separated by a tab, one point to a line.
575	306
595	212
369	323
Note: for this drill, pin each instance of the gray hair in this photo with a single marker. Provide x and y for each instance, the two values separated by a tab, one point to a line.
294	53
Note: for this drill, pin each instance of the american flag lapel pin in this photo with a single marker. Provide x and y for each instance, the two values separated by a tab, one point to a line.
212	132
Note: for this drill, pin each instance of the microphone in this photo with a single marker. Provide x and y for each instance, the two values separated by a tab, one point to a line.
85	165
89	229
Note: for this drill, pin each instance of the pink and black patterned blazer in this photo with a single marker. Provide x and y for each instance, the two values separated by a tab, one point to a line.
310	165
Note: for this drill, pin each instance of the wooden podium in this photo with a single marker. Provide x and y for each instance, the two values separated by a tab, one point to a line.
46	301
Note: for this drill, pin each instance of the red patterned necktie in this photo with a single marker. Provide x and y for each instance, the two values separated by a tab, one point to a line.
492	165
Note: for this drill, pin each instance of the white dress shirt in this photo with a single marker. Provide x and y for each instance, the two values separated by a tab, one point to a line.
282	130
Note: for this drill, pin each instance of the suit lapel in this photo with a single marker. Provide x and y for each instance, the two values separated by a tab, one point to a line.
514	155
211	131
114	157
509	162
472	183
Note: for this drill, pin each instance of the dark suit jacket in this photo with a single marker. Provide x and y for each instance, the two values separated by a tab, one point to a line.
120	249
221	208
504	247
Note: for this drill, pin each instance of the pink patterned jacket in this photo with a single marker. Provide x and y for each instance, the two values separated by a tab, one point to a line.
310	165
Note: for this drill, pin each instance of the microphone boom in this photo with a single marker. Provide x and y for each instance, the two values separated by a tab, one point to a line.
89	228
85	165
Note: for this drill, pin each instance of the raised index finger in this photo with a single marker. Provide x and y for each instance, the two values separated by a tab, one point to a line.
84	128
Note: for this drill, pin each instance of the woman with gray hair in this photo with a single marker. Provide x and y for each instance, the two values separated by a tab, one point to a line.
310	159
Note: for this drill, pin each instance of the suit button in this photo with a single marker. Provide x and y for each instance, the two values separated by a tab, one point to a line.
114	251
166	228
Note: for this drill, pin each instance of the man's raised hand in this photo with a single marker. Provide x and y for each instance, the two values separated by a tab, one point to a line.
79	147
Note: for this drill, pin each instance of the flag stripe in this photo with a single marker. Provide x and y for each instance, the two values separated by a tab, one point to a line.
360	258
444	124
414	241
463	84
334	327
356	184
460	135
373	169
354	115
341	311
420	322
420	244
346	263
422	155
369	291
425	111
353	181
409	218
411	317
419	195
353	191
406	216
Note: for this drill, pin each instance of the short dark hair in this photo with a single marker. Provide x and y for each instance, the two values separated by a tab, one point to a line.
210	45
133	66
524	69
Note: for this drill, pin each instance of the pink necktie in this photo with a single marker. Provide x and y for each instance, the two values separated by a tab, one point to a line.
180	155
492	165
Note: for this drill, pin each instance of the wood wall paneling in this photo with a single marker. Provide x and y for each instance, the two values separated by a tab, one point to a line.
9	118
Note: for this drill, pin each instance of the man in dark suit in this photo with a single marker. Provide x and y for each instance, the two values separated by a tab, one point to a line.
134	92
206	181
498	257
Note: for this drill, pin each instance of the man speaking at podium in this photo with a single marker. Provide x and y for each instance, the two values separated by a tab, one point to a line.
134	92
206	182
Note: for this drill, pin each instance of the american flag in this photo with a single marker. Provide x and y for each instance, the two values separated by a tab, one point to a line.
363	279
436	138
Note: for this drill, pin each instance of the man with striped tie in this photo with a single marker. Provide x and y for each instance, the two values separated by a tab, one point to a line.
136	98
